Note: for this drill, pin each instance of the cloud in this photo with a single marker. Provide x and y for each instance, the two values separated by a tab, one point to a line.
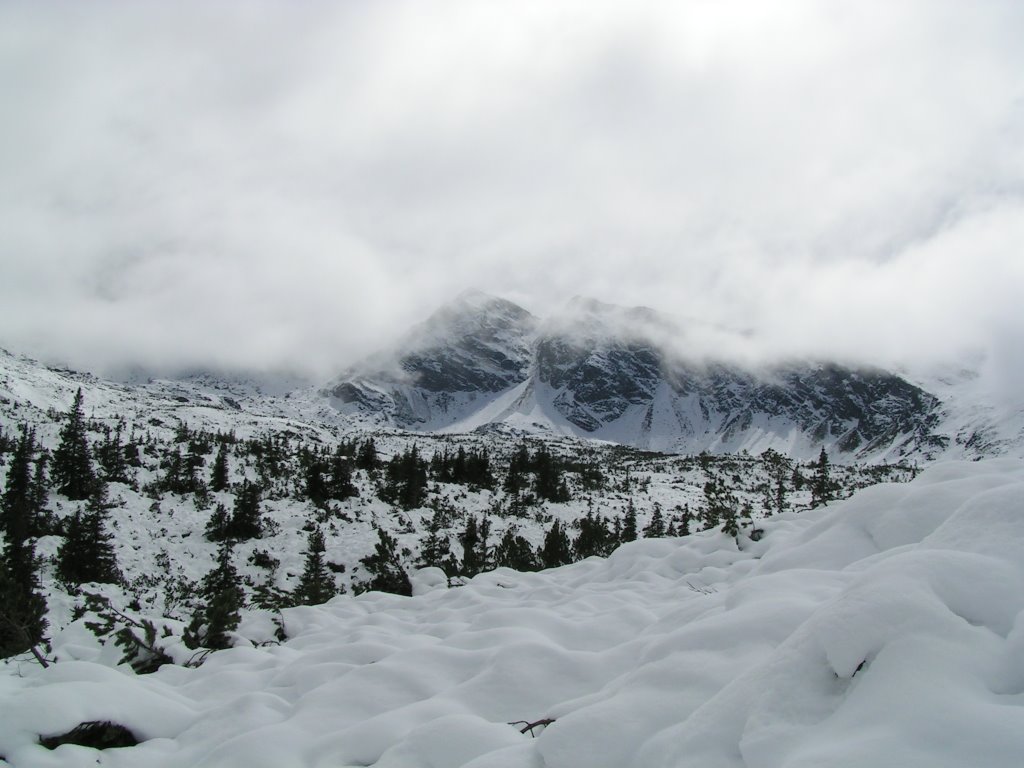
281	184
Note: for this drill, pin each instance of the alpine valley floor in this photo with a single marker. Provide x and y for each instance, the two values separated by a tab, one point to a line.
883	630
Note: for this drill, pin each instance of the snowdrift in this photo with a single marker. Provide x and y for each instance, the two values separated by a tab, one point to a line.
886	630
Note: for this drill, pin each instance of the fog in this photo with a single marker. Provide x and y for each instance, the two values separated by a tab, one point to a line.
290	185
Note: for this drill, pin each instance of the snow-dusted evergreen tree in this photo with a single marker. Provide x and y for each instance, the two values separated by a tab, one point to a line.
629	532
385	568
822	489
655	528
222	596
316	585
72	470
474	545
219	473
246	517
19	509
595	538
22	605
87	554
513	551
555	550
435	547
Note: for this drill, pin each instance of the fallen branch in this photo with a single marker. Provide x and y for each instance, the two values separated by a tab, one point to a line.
528	726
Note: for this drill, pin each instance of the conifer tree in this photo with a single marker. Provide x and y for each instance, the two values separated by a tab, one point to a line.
72	470
22	605
316	585
435	548
18	511
655	529
385	568
112	460
341	486
555	550
219	525
474	547
594	538
246	517
629	523
513	551
821	482
219	473
367	457
222	599
87	554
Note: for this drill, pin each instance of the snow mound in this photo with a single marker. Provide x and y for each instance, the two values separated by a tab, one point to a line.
886	630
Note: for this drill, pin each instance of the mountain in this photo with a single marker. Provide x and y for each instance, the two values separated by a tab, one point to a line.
452	364
625	375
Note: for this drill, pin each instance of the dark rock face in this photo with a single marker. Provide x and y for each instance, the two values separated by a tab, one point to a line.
475	346
602	363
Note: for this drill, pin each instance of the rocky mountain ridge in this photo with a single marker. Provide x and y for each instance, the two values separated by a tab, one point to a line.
623	375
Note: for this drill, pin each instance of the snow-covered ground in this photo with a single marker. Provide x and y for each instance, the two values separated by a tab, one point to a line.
885	630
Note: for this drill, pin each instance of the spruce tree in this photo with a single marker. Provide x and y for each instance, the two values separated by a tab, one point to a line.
22	605
555	550
594	538
218	615
435	548
18	511
246	517
87	554
316	585
821	482
655	529
385	568
513	551
72	471
629	523
219	473
473	548
219	525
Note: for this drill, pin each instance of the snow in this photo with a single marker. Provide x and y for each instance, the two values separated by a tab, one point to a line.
884	630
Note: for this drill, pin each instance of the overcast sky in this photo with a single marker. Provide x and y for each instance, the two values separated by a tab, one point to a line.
290	183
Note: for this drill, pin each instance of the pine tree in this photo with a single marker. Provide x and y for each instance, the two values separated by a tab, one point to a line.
780	496
341	486
246	517
629	523
219	525
513	551
316	585
367	457
73	472
821	482
385	568
19	512
594	538
110	455
720	503
655	529
219	473
474	546
87	554
222	599
22	605
435	548
555	550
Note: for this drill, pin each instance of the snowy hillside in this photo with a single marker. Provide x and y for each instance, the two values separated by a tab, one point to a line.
636	377
882	630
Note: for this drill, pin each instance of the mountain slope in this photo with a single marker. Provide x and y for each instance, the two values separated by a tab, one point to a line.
625	375
453	363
